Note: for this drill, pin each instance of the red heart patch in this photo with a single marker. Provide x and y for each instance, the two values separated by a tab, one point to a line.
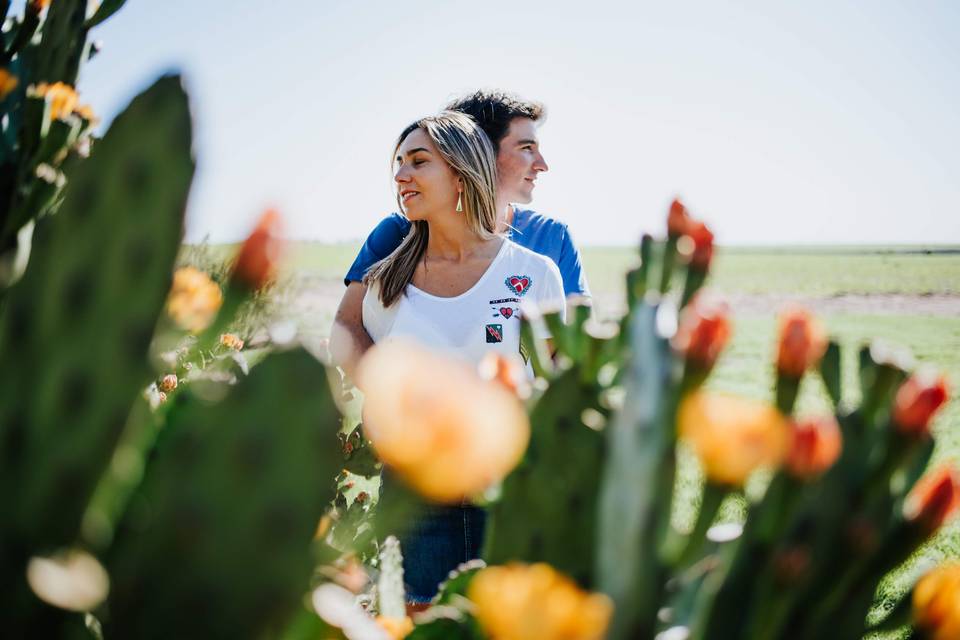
519	284
506	312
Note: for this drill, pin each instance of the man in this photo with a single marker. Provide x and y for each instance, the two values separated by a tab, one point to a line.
511	125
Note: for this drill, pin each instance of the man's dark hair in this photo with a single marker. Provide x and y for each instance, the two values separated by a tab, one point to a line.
493	111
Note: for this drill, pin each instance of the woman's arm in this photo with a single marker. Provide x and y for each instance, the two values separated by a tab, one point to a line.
349	340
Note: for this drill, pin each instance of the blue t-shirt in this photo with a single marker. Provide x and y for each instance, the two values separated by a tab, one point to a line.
540	234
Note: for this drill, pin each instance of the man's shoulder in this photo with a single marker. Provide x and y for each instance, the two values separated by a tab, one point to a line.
528	219
393	223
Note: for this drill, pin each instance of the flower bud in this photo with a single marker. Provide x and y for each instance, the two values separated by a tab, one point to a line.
732	436
507	370
677	220
702	238
936	602
536	601
230	341
194	299
815	444
703	331
168	383
257	261
934	499
802	342
917	400
8	82
445	431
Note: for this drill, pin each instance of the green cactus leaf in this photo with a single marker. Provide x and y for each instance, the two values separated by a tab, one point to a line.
63	42
107	9
547	510
76	328
830	372
216	541
458	582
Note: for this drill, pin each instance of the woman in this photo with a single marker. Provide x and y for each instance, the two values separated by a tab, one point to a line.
454	285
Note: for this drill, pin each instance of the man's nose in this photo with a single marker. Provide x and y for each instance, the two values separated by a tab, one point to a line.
539	164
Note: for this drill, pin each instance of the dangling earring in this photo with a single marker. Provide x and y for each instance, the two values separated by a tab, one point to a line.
459	202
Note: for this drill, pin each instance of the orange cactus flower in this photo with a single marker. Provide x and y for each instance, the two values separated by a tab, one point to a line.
917	400
802	342
535	602
934	499
8	82
815	444
677	219
442	428
39	5
732	436
257	261
230	341
194	299
936	602
704	330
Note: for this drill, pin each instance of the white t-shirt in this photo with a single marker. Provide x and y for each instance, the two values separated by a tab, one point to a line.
485	317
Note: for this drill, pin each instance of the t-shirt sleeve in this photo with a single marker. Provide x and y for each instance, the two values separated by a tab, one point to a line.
381	242
571	267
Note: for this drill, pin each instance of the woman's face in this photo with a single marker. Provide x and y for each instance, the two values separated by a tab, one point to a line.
426	184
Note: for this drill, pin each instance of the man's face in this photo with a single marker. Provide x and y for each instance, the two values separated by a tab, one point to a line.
519	161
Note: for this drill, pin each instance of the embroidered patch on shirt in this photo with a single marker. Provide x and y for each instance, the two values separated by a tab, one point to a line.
506	312
494	333
519	284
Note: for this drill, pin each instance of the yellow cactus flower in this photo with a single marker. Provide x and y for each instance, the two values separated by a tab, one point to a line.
61	97
535	602
85	111
8	82
732	436
194	299
396	628
936	602
39	5
230	341
447	432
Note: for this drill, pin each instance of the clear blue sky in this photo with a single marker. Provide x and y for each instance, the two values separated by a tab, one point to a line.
778	122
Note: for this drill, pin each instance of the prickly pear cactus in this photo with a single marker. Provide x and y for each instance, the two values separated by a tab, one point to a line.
75	331
216	540
548	504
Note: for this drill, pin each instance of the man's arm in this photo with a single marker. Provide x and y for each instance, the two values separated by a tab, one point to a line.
348	339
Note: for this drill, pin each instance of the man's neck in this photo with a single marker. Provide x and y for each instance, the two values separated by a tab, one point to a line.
506	218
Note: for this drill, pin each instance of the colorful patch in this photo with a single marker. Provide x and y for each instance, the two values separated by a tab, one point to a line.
494	333
519	284
502	300
506	312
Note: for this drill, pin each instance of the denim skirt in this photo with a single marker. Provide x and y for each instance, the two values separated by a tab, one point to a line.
438	541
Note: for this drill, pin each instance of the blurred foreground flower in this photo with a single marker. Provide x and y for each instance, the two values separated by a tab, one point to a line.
61	97
257	261
194	299
72	580
8	82
936	602
396	628
448	433
704	330
732	436
934	499
802	342
168	383
535	602
815	444
699	249
917	400
230	341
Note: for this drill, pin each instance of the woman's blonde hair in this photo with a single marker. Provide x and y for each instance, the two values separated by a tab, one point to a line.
469	152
